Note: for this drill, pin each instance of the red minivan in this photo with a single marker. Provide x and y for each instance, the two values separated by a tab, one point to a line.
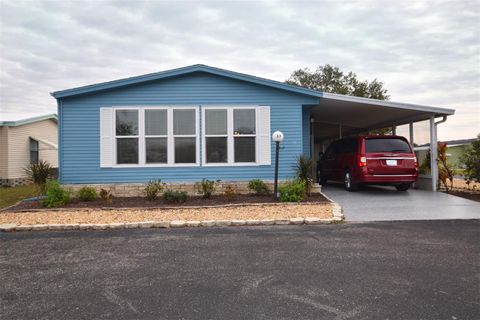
369	160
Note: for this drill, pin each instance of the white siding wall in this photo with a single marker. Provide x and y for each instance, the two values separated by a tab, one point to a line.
19	146
3	152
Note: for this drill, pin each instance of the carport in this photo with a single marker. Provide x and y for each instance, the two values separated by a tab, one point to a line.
337	116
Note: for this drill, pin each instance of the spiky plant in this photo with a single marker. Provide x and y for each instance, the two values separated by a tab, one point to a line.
39	173
303	171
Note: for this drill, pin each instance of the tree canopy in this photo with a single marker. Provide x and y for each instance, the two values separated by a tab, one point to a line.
471	160
331	79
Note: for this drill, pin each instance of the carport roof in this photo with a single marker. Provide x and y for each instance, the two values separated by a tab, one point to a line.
324	98
355	115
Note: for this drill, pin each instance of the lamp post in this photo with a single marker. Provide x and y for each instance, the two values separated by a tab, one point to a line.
277	136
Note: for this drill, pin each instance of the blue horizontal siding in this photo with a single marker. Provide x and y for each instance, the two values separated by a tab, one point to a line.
80	128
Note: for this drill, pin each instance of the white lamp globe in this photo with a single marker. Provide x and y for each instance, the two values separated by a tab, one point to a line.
277	136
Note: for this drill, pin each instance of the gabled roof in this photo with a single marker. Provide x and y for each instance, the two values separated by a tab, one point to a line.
248	78
183	71
52	116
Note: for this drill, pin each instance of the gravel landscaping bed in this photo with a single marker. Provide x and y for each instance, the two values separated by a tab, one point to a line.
463	190
323	210
139	202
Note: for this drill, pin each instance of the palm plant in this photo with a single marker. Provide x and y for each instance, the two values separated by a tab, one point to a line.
303	171
39	173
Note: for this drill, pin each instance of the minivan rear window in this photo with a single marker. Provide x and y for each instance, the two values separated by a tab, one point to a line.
373	145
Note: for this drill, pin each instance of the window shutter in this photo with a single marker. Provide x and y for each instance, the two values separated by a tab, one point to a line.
264	139
106	137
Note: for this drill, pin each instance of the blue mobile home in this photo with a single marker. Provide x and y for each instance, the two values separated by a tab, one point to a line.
197	122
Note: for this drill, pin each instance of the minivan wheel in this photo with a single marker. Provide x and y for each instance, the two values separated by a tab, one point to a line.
403	186
348	182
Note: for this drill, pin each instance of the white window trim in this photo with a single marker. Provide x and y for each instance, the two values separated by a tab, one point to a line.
141	137
230	137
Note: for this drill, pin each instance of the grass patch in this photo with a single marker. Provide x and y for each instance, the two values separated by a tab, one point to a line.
11	195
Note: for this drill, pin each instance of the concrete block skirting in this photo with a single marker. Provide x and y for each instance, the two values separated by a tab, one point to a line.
168	224
137	189
14	182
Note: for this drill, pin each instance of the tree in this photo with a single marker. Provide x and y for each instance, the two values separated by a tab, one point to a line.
331	79
471	160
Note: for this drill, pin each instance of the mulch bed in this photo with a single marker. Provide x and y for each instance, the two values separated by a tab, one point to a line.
475	196
141	202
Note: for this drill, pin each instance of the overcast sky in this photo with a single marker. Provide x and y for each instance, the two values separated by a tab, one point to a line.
425	52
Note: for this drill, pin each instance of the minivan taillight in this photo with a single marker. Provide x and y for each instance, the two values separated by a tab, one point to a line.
362	161
416	162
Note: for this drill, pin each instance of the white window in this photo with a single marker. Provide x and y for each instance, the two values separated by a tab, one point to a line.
216	136
244	133
169	136
230	135
155	136
184	134
127	135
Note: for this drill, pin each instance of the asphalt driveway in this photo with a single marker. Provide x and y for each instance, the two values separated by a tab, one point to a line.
381	270
385	203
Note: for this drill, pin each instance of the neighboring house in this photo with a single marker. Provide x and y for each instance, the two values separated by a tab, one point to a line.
455	149
197	122
24	142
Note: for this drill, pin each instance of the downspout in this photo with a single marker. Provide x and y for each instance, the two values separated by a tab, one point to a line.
434	150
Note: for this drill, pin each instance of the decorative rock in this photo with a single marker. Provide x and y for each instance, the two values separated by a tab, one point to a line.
100	226
131	225
71	226
282	221
178	224
7	227
313	220
207	223
238	222
39	227
86	226
223	223
252	222
116	225
193	223
267	222
297	220
337	219
146	224
55	227
161	224
325	221
24	227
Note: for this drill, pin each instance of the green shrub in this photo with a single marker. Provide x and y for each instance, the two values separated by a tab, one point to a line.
206	187
87	194
153	188
39	173
56	195
230	192
106	195
292	191
258	187
471	160
172	196
303	170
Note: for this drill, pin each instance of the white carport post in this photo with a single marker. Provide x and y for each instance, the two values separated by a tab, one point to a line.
433	153
410	129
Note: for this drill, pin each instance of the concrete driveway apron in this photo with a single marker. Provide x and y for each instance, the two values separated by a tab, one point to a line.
379	203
